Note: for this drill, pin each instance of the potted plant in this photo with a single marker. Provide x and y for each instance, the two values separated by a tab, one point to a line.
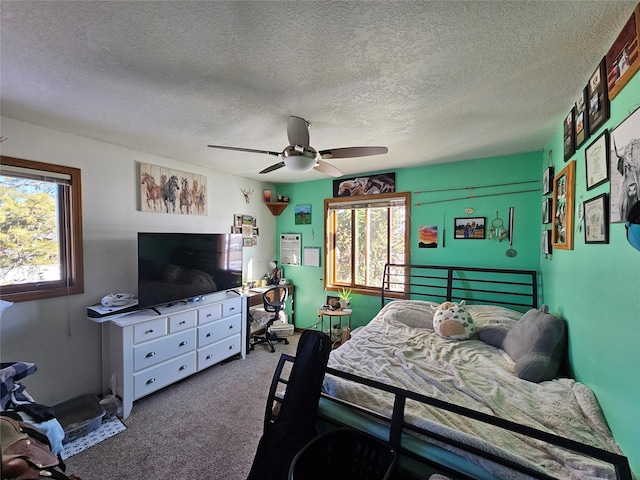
344	297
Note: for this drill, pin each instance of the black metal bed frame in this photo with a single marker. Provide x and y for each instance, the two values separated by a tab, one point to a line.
497	286
397	426
510	288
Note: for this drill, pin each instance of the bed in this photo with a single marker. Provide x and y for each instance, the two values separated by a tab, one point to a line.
458	407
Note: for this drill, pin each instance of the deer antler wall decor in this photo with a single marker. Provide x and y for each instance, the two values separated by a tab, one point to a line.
247	194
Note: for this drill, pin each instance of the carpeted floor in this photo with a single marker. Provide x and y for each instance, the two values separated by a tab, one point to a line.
206	426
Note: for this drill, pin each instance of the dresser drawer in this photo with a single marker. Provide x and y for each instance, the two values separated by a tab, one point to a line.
182	321
143	332
152	353
218	351
164	374
232	307
212	332
209	314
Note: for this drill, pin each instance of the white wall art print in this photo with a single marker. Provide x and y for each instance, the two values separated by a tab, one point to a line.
165	190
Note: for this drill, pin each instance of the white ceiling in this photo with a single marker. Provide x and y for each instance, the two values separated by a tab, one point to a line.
433	81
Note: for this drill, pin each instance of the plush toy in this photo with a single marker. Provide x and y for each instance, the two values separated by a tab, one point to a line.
452	321
536	343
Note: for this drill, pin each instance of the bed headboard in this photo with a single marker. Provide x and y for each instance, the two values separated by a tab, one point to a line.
516	289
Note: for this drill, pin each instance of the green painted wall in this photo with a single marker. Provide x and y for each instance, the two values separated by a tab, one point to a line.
596	289
310	293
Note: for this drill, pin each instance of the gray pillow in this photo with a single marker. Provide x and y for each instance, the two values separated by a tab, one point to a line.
536	343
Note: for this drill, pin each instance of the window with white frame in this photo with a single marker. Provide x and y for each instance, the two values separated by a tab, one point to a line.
41	234
362	235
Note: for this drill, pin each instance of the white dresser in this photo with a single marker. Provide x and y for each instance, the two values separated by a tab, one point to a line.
149	350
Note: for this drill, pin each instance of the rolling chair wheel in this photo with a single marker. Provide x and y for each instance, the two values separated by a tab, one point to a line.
286	342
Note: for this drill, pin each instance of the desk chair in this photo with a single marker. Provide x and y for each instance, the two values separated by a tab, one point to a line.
274	301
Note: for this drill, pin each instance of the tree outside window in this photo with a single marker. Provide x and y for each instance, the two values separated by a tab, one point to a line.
364	234
41	235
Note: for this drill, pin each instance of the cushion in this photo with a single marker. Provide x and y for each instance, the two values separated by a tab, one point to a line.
453	321
536	343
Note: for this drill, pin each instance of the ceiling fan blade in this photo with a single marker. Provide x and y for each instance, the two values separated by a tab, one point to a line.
327	169
250	150
273	167
350	152
298	131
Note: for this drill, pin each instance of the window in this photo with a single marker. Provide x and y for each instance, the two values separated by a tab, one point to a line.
41	235
362	235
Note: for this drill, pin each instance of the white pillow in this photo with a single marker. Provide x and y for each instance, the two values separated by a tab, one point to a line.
452	321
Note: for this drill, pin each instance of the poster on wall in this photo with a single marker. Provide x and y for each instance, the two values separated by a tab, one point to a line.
164	190
367	185
624	157
428	236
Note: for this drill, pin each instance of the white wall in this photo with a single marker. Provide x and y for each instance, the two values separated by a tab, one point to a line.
55	333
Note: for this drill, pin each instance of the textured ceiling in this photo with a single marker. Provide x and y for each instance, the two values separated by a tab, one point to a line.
432	81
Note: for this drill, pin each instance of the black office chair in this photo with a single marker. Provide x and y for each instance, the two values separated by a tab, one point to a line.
274	301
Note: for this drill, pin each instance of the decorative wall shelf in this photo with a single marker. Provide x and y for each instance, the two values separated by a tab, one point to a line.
276	207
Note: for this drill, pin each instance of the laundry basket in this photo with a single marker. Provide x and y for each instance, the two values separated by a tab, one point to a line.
346	454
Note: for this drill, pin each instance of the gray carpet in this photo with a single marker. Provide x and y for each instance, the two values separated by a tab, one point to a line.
204	427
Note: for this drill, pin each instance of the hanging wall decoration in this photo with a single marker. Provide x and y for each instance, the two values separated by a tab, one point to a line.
596	223
582	119
623	58
563	204
428	236
624	160
569	135
367	185
303	215
164	190
596	157
598	99
471	228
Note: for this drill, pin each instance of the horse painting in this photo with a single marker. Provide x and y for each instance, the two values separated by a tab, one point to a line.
185	197
152	191
169	191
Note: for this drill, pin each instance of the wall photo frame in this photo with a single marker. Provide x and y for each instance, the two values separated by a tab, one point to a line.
547	208
569	135
469	228
596	159
598	98
546	242
547	181
624	167
623	58
581	118
596	221
563	206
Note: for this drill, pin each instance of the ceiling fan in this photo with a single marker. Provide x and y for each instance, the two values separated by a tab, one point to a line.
299	156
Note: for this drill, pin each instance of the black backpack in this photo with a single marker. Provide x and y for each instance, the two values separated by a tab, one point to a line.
295	424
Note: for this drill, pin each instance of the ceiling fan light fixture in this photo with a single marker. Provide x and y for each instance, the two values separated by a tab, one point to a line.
300	161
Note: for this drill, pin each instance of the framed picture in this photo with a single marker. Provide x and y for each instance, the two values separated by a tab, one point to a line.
303	215
562	210
598	98
333	302
569	135
596	159
472	228
623	61
624	167
596	221
546	242
582	119
355	186
237	220
547	181
547	207
247	242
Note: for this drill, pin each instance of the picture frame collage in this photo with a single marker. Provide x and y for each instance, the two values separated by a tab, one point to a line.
247	226
608	156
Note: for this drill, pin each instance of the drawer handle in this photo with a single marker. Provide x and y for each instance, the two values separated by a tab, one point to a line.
182	322
182	344
149	331
231	347
150	381
209	314
151	354
208	357
231	309
209	335
230	327
182	367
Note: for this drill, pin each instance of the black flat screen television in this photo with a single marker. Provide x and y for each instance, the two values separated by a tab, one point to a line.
173	267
